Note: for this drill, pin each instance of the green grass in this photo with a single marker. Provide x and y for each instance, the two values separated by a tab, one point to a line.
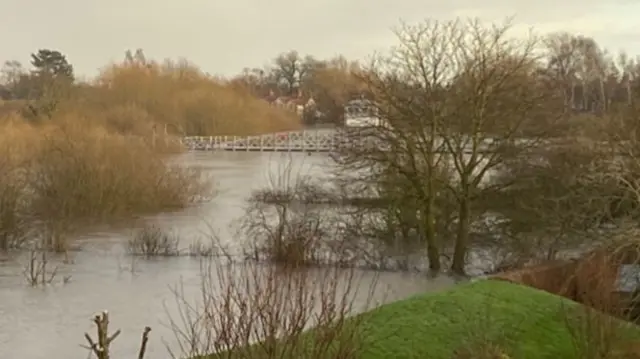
528	322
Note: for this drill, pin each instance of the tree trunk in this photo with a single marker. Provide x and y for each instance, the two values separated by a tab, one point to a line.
603	96
429	230
433	251
462	237
572	96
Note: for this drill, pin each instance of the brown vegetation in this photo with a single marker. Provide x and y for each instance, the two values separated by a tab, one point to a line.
181	99
552	277
248	310
81	154
68	175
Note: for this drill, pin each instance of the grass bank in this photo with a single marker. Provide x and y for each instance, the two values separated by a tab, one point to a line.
484	319
519	321
526	322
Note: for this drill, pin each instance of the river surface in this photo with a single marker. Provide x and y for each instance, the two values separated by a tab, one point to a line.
49	322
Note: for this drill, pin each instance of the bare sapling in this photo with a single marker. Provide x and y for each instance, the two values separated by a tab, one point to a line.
287	224
250	310
101	347
36	270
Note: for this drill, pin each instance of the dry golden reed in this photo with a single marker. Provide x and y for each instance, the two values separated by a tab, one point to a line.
99	154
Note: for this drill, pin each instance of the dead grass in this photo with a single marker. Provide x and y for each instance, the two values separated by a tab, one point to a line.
551	277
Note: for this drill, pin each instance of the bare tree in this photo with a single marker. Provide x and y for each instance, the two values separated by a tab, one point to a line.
623	137
333	84
563	63
407	85
291	70
496	103
627	66
458	99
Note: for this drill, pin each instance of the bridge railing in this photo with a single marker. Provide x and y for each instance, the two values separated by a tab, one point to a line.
296	141
311	141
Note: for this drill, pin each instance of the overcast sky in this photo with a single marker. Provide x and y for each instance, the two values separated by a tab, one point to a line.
223	36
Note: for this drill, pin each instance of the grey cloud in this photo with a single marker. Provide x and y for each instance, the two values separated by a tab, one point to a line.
224	36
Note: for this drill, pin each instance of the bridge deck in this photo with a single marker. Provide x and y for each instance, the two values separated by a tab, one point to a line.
295	141
319	140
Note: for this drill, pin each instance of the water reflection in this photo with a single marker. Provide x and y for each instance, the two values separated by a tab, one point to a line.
43	323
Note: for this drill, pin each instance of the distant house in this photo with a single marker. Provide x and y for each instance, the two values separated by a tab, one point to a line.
298	104
362	113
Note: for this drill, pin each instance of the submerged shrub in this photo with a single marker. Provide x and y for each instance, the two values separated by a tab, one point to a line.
151	241
91	174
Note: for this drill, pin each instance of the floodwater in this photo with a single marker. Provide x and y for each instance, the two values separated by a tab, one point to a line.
49	322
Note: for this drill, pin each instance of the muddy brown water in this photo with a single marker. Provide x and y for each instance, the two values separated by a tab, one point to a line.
49	322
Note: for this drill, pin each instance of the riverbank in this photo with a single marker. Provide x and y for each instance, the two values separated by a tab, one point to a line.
520	321
483	319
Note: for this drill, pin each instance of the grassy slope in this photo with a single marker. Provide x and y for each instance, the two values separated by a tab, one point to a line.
528	323
434	325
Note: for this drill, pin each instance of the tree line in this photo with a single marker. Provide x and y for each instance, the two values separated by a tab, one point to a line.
525	147
513	150
589	78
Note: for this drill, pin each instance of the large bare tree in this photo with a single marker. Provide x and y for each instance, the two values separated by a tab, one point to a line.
458	98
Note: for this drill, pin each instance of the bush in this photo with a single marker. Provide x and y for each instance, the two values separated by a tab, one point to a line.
88	173
15	154
13	224
252	311
180	98
280	230
70	174
151	240
94	152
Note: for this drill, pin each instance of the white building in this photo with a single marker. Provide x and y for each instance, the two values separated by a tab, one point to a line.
361	113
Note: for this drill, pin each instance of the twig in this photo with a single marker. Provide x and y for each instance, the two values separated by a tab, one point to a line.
143	345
